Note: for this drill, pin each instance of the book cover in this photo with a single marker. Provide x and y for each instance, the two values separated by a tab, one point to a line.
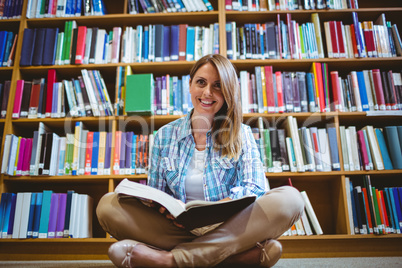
80	45
19	91
50	45
27	49
54	204
66	230
394	146
38	46
45	212
25	99
192	214
139	94
311	214
95	153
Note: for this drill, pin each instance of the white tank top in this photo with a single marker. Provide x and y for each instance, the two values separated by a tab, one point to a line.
195	172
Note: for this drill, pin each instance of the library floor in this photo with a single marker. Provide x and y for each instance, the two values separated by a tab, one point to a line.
389	262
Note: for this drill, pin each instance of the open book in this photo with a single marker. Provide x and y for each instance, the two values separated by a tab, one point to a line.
193	214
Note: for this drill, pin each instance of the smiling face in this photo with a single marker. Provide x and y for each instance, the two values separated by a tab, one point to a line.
206	93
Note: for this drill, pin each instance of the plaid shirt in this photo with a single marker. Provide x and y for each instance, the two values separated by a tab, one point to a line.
223	177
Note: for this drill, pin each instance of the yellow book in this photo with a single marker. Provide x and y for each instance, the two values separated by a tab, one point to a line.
102	150
128	71
77	143
264	91
16	156
317	29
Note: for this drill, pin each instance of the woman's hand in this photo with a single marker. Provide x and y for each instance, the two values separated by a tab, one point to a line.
162	210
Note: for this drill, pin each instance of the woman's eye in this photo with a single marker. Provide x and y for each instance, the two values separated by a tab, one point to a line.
201	82
218	86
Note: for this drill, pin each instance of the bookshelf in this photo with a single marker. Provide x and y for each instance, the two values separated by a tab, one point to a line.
326	190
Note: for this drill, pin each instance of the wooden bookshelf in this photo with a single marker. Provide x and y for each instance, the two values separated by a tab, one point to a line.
326	190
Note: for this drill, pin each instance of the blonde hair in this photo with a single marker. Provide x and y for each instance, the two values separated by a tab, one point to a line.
226	129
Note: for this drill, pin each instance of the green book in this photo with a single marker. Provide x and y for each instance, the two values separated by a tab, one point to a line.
139	94
377	211
44	214
268	153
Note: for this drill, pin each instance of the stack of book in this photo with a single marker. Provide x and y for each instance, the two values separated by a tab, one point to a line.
83	152
65	8
293	149
45	215
320	90
371	148
362	39
156	6
4	93
372	210
149	43
283	40
263	5
8	42
10	9
86	95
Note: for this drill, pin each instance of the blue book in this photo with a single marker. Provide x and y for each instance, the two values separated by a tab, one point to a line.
31	215
359	38
397	206
49	51
129	143
355	196
208	5
12	215
229	40
45	212
363	91
387	201
354	212
3	210
393	207
190	43
145	45
394	145
27	47
38	47
6	220
36	220
123	148
68	214
383	149
175	95
7	51
174	42
95	154
310	92
78	7
69	8
134	154
166	43
180	96
159	42
140	43
108	153
333	146
3	42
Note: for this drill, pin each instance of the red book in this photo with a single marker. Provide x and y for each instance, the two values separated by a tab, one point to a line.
379	203
228	4
367	38
182	42
51	79
363	150
251	99
269	84
88	153
379	91
370	224
290	34
354	43
279	92
384	209
341	44
317	71
372	38
334	38
18	99
146	148
54	8
34	99
394	97
278	21
80	50
336	91
116	155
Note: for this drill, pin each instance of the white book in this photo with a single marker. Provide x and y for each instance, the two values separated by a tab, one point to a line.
306	224
82	150
91	93
294	134
38	7
244	92
353	145
6	153
18	215
73	216
310	149
62	155
88	42
54	155
356	91
26	207
134	46
61	8
345	157
151	45
374	148
369	90
349	205
324	149
349	150
206	40
139	43
70	98
316	145
100	44
29	8
13	155
292	160
85	222
328	39
311	214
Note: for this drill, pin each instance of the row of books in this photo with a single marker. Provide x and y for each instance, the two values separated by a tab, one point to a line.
167	95
371	148
149	43
362	39
293	149
283	40
10	9
158	6
83	152
64	8
320	90
45	215
85	96
4	94
263	5
8	42
373	210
